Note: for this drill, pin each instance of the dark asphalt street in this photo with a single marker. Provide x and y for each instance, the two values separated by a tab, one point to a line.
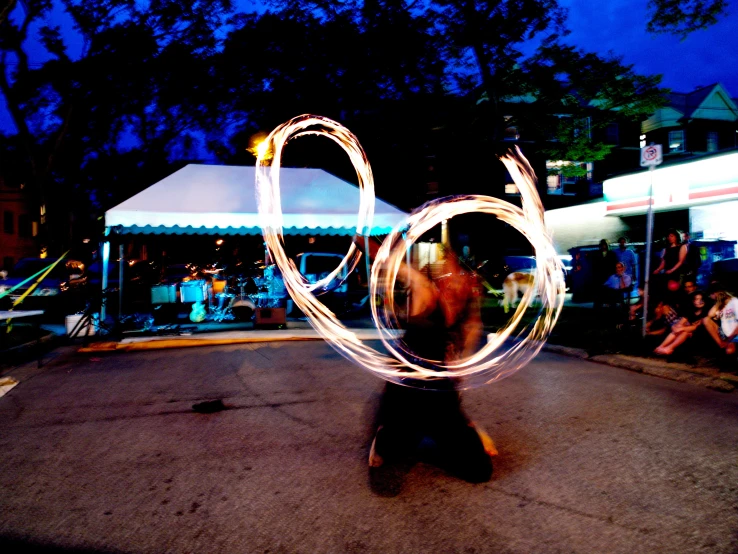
106	454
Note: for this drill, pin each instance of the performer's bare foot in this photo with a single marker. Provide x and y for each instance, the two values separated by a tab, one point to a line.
375	460
487	442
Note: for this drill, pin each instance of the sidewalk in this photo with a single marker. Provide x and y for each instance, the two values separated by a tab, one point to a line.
568	338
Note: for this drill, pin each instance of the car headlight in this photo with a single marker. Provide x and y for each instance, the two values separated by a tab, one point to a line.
46	292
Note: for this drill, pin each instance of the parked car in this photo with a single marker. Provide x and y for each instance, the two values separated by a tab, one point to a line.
495	273
138	278
61	292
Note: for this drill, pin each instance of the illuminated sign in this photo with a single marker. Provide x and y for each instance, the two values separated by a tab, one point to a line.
676	186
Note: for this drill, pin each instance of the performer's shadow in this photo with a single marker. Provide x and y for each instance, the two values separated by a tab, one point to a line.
455	451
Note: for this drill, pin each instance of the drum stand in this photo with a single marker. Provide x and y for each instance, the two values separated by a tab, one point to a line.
88	324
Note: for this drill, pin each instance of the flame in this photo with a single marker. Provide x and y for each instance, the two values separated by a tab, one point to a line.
486	365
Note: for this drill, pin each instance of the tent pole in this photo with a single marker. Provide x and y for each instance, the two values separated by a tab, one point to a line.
104	280
408	262
366	263
120	282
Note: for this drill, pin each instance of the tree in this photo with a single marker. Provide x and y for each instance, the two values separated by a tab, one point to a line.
682	17
138	79
510	57
374	68
592	92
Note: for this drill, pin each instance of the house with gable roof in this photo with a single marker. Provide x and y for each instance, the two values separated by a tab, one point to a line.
699	122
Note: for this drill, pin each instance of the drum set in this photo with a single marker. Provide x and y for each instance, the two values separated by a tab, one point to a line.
220	298
238	297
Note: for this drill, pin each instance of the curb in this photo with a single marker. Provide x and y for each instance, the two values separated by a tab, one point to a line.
179	343
683	373
49	336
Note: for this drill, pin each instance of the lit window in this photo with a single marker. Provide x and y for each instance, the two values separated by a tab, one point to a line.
558	183
553	184
712	141
676	141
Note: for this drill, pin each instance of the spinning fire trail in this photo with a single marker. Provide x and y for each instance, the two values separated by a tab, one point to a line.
486	365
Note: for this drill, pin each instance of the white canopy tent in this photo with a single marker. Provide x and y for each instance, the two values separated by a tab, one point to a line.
221	200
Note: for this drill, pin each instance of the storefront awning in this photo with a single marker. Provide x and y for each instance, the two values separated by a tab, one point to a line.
706	180
221	200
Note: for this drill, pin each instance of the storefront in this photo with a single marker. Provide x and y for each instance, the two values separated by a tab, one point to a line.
699	196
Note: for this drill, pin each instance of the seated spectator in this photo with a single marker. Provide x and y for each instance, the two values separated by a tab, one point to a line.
685	326
689	287
722	320
674	295
635	310
617	286
664	317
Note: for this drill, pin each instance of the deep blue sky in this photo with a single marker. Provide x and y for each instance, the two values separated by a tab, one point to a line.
619	26
703	58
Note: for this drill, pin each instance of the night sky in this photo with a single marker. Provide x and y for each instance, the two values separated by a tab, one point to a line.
703	58
619	26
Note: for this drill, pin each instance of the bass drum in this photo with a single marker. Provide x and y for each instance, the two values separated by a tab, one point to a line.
243	309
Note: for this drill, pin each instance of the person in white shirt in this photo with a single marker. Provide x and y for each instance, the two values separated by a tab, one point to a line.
722	320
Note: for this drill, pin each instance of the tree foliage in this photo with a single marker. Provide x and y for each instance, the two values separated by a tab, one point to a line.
158	83
682	17
125	86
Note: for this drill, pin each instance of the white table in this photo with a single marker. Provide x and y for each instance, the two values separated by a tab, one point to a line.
6	315
14	314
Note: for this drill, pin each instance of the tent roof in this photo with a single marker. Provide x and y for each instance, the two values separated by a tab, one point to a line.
221	200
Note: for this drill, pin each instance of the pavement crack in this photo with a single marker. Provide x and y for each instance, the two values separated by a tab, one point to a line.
544	503
259	352
185	411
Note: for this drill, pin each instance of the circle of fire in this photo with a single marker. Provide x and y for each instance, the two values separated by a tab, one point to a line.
484	366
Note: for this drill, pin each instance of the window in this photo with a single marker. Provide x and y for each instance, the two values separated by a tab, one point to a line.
8	222
712	141
676	141
511	189
612	134
25	228
560	184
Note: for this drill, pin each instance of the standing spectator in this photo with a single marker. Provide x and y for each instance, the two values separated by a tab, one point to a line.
692	260
627	257
603	265
673	256
580	278
722	320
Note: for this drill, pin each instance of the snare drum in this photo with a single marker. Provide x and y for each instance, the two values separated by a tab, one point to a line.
225	300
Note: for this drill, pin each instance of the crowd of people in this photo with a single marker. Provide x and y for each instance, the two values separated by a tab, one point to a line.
680	317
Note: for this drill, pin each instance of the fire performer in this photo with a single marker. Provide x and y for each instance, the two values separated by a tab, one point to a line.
444	324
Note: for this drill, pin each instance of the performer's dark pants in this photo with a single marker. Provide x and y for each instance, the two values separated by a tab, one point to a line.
409	415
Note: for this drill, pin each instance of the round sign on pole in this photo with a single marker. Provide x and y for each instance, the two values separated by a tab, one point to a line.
651	155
